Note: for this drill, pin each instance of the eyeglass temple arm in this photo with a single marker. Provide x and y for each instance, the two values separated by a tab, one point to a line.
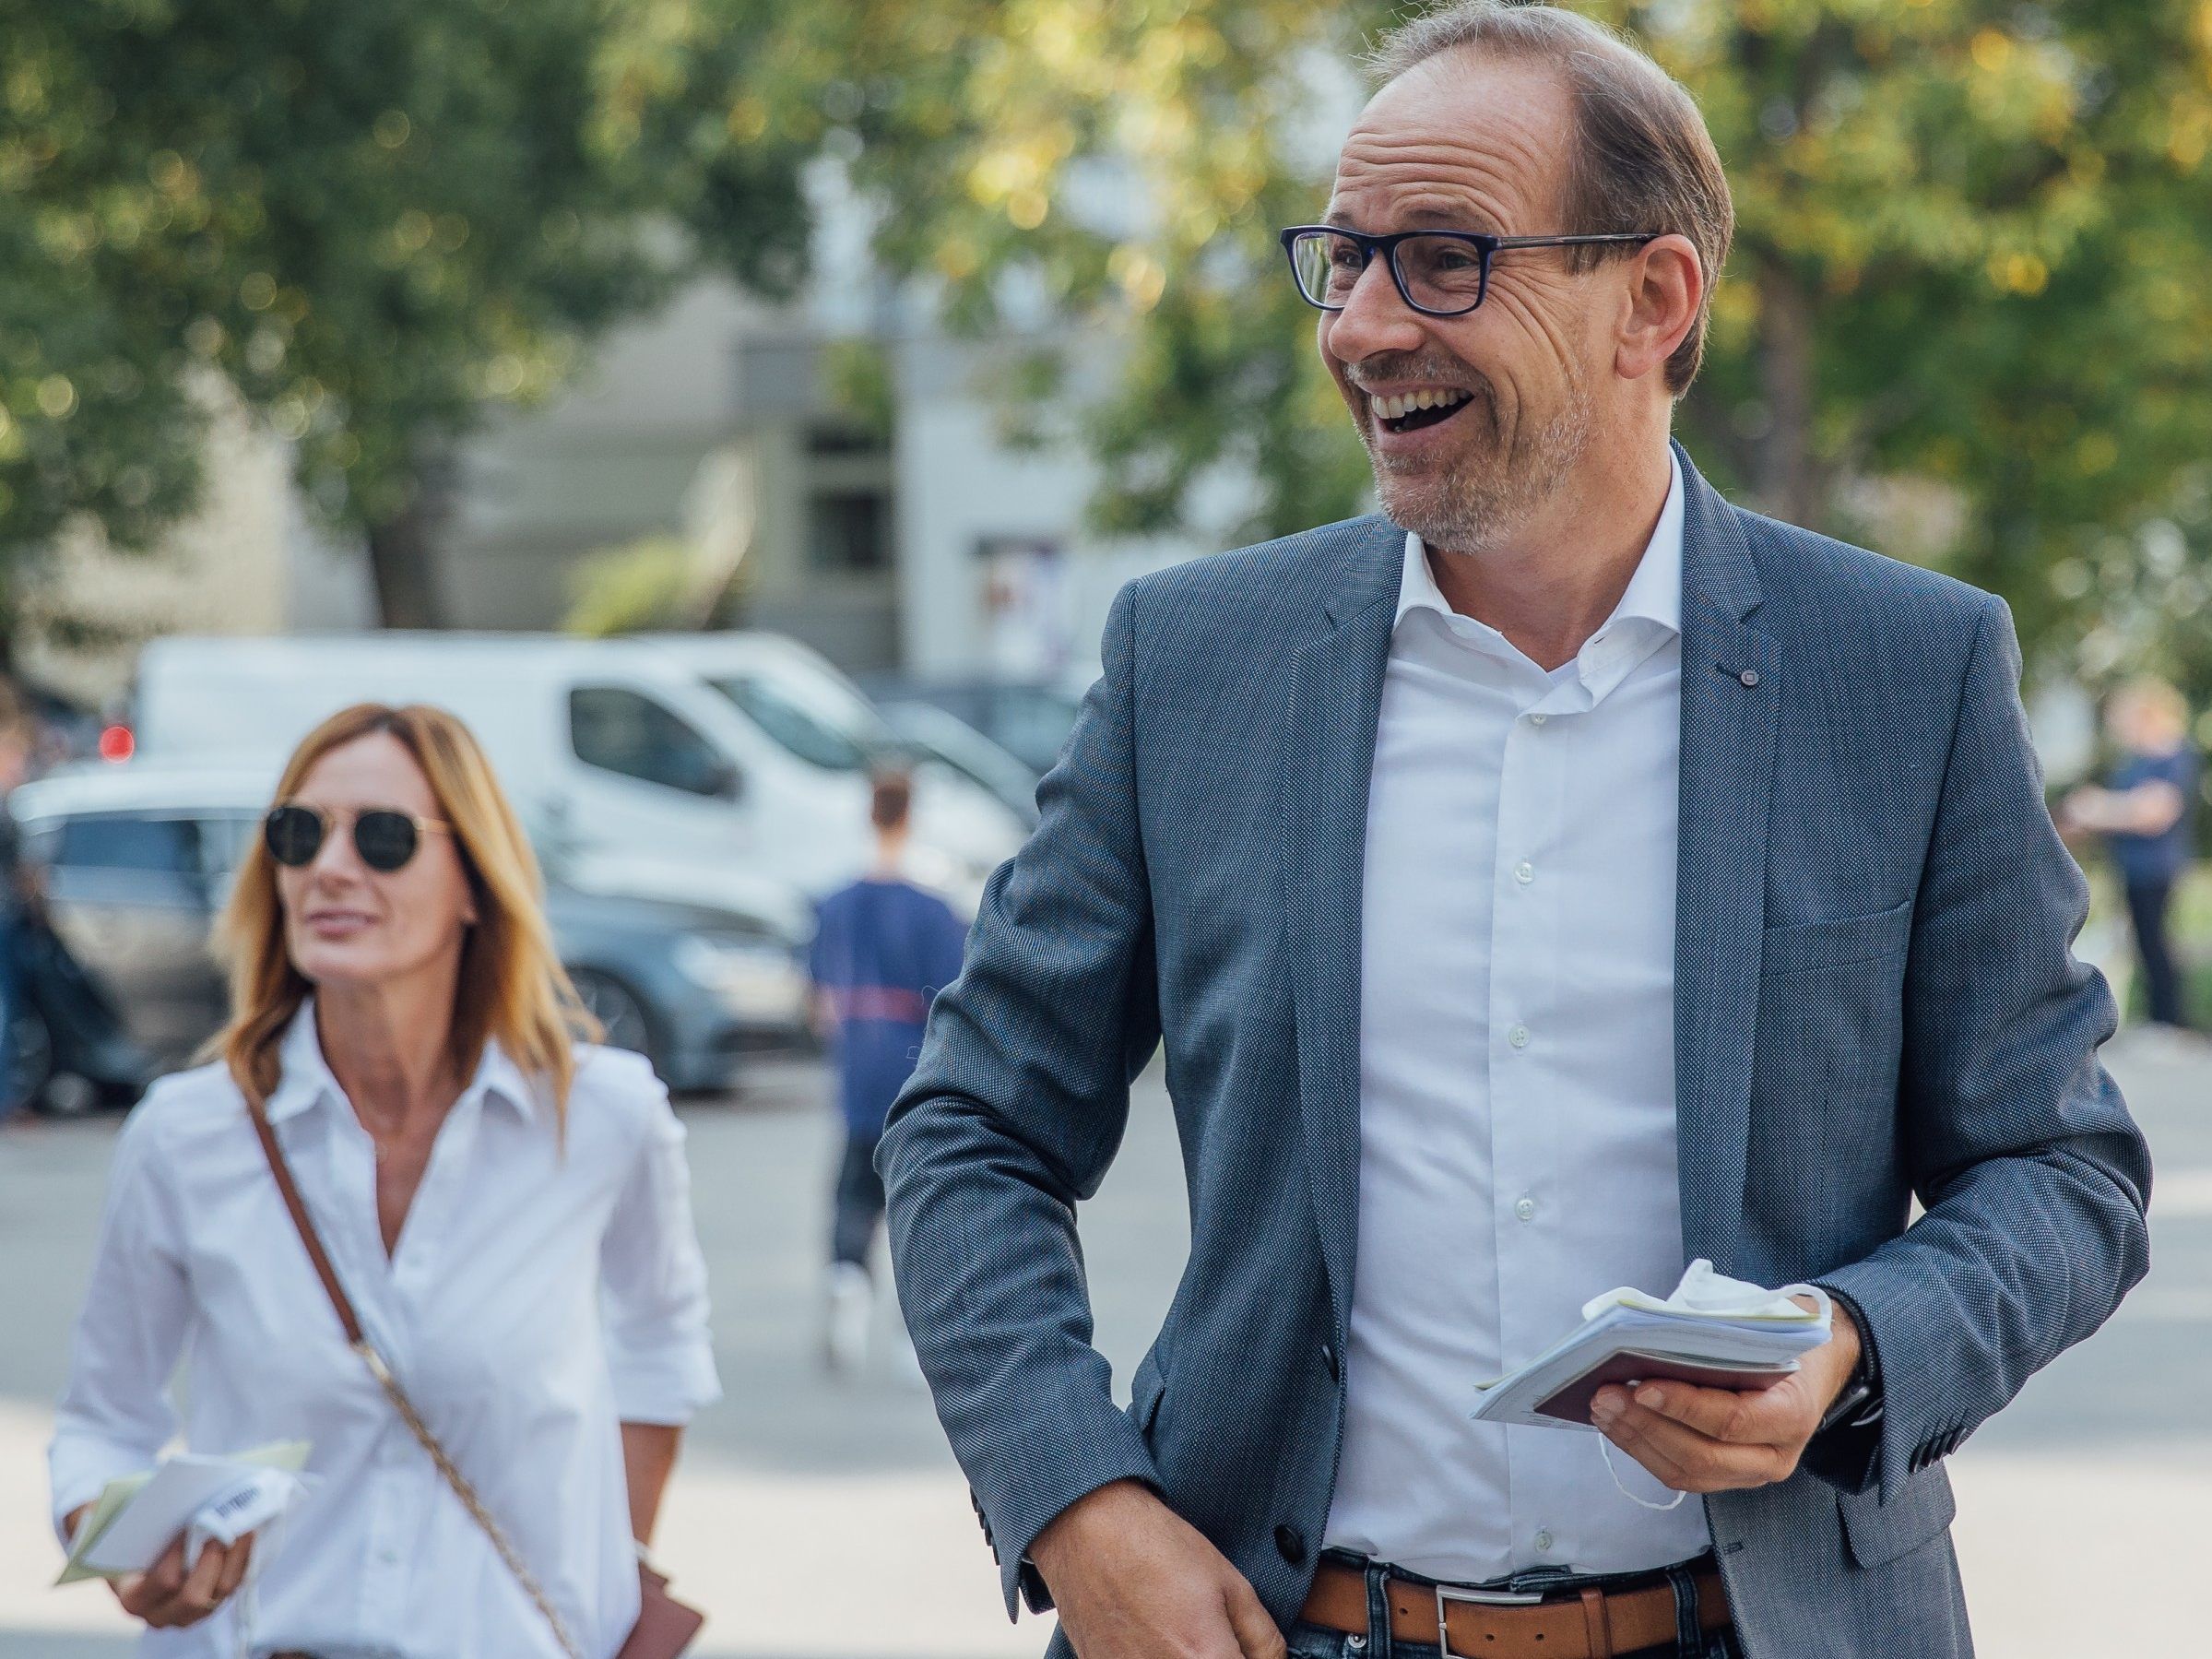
1570	242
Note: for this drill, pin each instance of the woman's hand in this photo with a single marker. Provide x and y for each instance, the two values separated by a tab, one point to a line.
166	1596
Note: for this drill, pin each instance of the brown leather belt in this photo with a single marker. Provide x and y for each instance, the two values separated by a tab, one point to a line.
1575	1623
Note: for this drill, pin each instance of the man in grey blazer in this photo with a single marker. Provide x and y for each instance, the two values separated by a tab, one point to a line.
1561	877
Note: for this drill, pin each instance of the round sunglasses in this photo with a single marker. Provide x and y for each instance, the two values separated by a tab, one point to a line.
385	837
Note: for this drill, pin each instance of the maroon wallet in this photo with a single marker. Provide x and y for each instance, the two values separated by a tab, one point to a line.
1571	1403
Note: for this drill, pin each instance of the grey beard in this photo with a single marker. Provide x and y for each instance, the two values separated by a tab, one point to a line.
1483	501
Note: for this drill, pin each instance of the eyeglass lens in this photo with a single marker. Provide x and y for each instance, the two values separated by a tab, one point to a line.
385	839
1439	273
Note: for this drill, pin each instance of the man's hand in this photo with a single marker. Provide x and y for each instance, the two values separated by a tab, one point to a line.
1133	1580
166	1596
1716	1440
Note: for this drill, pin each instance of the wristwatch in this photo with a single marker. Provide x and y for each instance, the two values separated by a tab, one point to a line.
1860	1403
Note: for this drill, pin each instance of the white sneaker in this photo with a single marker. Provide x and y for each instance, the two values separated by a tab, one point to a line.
852	1304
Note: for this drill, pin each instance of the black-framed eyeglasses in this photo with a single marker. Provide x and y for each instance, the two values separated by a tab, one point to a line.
385	837
1438	273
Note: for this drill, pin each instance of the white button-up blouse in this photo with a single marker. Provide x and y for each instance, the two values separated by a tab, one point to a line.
538	1296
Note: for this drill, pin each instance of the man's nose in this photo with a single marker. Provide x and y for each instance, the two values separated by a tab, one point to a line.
1375	319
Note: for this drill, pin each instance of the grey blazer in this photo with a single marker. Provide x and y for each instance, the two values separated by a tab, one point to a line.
1875	1000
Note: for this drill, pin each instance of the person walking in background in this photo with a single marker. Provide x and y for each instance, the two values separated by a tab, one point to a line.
884	947
2144	811
506	1209
17	737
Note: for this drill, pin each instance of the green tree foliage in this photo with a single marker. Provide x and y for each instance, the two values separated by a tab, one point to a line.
377	221
1970	264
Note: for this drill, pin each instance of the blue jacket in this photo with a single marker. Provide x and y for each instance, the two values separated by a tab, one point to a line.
1875	1000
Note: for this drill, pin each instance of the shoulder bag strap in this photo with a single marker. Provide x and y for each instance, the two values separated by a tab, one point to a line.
360	1344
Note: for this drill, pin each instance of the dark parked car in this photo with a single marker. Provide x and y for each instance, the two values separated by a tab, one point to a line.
134	860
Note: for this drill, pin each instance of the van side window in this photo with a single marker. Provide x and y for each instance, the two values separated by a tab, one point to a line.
621	730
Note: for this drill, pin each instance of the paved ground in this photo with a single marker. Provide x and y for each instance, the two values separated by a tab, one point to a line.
2076	1507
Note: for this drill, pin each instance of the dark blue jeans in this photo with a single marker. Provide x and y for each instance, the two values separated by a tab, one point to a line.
1313	1641
856	1203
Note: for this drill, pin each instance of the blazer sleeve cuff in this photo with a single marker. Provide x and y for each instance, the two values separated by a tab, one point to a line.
1922	1419
1847	1455
1012	1520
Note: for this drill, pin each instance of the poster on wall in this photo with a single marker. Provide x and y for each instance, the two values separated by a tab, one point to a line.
1024	607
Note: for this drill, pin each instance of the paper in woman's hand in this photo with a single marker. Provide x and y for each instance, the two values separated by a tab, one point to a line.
221	1498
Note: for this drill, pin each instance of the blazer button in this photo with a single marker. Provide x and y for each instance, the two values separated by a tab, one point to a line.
1290	1543
1749	676
1328	1359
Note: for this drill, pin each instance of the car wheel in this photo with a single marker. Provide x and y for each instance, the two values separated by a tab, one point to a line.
616	1008
69	1095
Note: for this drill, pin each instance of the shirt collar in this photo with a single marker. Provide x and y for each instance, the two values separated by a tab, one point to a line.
305	1079
1654	592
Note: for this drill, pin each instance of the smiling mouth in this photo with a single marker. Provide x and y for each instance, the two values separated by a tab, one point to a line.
1411	411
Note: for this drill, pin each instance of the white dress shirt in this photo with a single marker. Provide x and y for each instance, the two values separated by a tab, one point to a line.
538	1296
1517	1074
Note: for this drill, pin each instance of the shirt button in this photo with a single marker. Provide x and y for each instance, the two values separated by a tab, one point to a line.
1543	1540
1524	872
1526	1209
1519	1037
1535	719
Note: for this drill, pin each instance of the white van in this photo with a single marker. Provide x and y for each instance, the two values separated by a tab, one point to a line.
647	780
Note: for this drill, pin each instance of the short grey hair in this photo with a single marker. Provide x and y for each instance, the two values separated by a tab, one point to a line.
1644	161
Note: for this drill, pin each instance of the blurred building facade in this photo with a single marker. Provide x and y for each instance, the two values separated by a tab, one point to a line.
920	537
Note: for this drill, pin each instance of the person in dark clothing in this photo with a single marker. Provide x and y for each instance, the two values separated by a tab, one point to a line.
884	948
2144	812
16	737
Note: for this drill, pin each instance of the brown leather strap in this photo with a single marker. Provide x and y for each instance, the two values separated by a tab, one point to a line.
1583	1624
290	1191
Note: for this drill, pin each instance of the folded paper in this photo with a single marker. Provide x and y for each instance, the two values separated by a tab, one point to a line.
1711	1331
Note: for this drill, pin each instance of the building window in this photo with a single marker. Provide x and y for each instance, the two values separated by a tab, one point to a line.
848	530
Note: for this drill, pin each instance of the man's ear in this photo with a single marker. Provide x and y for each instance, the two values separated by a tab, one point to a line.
1666	286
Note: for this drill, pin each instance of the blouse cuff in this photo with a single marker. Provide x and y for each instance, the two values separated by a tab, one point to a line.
668	1386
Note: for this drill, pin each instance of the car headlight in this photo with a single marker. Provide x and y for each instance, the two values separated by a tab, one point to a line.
753	980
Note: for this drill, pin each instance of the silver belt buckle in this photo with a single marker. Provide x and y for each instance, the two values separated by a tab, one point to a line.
1447	1594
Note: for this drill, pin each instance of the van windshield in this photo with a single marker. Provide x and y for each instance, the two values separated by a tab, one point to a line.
821	724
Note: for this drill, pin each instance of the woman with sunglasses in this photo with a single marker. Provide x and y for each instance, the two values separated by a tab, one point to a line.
505	1208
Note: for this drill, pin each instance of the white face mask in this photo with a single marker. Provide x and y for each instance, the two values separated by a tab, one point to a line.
1605	1451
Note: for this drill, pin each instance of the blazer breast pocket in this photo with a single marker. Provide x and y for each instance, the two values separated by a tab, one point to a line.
1800	947
1830	1022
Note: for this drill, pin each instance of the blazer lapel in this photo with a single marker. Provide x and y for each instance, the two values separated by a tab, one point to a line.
1730	674
1328	754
